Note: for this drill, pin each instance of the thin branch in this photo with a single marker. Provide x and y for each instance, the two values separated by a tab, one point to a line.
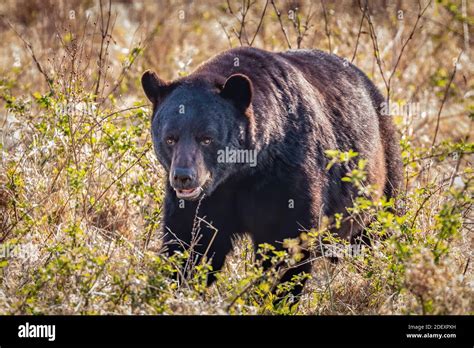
445	97
360	30
295	19
30	49
104	30
420	15
375	45
373	35
278	13
226	33
326	26
259	24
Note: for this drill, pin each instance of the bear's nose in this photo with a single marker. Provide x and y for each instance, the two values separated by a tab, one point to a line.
183	177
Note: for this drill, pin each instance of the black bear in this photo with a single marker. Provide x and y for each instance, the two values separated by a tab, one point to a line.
243	139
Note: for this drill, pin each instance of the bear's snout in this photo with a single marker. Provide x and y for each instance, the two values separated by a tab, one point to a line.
184	182
183	178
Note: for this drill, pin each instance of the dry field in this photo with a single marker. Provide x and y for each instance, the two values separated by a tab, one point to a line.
81	191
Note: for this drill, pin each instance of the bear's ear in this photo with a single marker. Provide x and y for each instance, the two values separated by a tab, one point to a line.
155	88
238	89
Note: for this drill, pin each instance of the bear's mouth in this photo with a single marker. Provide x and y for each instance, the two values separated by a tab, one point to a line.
189	194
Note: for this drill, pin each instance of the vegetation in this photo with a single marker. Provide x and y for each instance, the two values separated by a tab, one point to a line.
81	191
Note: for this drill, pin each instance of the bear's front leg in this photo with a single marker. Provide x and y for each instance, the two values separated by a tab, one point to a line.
204	229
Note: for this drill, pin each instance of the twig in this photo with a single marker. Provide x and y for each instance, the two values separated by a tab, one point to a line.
420	15
326	26
246	5
295	19
120	176
445	97
30	49
278	13
104	29
375	45
226	33
378	58
259	23
360	31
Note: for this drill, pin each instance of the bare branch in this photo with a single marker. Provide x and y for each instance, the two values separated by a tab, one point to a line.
259	24
278	13
445	97
415	26
360	30
31	51
326	26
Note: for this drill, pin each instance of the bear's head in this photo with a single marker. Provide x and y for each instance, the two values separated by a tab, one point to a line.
194	121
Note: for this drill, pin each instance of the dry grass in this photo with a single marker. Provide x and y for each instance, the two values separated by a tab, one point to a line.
81	192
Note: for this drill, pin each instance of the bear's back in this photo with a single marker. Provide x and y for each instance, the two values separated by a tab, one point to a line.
312	95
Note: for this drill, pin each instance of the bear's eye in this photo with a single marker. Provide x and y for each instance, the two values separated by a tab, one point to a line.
170	141
206	141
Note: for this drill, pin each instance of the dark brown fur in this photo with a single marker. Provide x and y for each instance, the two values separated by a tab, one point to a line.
302	103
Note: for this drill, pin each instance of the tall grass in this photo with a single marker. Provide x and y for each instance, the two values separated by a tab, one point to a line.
81	191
